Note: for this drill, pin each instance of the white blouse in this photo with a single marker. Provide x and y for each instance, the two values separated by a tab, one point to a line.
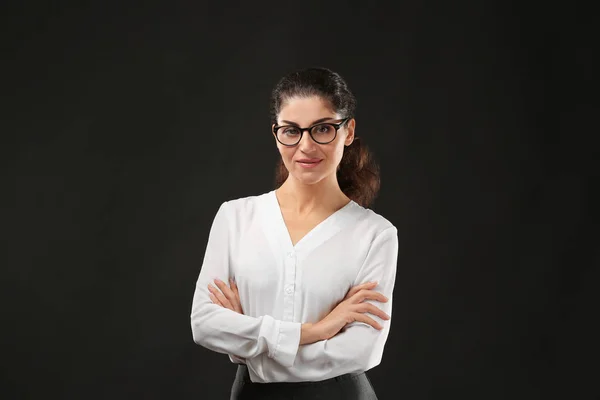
282	286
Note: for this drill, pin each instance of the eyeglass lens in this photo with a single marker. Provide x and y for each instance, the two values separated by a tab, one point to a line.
322	133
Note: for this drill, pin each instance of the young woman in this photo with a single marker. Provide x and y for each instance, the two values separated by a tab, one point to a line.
296	284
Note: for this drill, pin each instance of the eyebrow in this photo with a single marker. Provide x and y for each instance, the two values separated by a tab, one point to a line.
314	122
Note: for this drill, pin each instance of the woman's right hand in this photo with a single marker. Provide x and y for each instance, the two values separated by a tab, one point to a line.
352	309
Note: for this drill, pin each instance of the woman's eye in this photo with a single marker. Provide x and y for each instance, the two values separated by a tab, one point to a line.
291	131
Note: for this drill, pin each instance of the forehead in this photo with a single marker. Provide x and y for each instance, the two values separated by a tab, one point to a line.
305	110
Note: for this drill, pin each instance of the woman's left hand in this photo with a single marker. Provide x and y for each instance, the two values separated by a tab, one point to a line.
226	297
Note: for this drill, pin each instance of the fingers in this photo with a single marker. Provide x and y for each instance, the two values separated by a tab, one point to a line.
220	296
227	297
370	308
357	288
224	289
365	294
215	300
234	289
367	320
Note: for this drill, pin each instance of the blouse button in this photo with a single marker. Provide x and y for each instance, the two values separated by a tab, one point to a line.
289	290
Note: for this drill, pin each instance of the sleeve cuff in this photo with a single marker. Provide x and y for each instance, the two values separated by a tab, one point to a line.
288	341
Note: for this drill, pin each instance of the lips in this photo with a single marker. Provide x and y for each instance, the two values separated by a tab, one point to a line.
309	163
309	160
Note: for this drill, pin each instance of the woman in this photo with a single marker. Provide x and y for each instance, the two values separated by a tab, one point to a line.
288	283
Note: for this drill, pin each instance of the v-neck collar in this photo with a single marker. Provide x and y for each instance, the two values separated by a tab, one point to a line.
280	236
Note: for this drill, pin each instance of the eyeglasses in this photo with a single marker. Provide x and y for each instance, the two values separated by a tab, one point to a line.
290	135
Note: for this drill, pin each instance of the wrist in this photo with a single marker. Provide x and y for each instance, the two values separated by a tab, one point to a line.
309	333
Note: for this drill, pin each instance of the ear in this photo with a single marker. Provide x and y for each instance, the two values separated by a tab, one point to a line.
350	135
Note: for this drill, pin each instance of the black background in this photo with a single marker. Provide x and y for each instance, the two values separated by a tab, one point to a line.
126	125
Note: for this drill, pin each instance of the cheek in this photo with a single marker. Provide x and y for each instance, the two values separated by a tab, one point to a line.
338	152
286	154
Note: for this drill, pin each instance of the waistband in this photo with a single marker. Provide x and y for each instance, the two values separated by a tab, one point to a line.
245	375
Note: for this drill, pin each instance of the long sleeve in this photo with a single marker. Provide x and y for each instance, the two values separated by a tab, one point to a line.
359	346
225	331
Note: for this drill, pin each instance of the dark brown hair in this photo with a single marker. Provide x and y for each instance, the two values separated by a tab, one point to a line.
357	173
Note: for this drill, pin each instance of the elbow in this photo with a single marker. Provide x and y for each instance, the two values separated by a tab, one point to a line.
201	318
363	361
203	325
204	334
367	348
197	334
199	323
371	360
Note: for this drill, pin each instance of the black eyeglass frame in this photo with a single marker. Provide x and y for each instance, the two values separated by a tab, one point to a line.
336	126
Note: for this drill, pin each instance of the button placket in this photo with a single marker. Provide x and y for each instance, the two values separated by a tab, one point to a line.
289	282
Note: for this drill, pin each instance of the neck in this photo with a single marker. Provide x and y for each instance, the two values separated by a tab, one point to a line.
301	198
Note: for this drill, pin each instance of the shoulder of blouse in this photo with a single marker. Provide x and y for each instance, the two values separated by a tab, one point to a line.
377	223
240	208
243	202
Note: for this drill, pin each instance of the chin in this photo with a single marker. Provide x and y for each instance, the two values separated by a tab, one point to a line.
308	180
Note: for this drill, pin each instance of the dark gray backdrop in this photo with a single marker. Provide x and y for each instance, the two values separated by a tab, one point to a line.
126	125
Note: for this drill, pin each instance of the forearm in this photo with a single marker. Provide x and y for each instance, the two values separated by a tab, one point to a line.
309	334
225	331
358	348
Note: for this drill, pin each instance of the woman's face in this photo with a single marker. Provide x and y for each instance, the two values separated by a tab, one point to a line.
305	112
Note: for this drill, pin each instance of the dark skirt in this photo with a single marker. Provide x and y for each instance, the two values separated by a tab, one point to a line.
356	386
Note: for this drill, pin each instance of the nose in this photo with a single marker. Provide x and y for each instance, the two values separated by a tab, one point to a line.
306	142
